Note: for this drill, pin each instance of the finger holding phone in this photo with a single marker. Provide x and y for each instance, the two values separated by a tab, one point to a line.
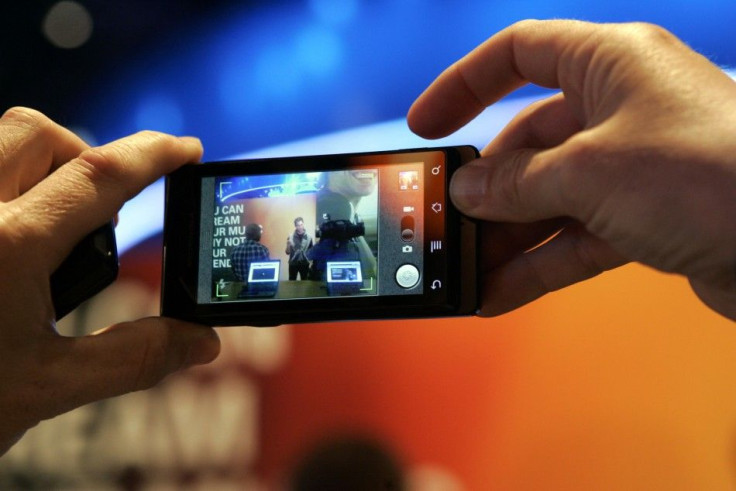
632	161
55	189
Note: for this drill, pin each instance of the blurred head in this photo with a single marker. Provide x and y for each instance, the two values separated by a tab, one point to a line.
354	463
253	231
353	183
299	225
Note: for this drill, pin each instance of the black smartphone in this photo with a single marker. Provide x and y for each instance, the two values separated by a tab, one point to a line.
318	238
90	267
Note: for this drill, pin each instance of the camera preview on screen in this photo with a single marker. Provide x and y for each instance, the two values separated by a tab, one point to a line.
350	232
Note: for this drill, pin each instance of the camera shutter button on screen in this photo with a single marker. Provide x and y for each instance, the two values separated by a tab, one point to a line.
407	276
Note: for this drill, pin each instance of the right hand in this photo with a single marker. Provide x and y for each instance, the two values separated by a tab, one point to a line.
635	160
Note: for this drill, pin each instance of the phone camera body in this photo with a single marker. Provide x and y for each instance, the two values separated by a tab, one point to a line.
90	267
386	241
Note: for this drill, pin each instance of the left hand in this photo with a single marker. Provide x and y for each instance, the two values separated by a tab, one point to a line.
54	190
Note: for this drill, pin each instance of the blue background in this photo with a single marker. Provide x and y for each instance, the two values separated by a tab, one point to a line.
246	78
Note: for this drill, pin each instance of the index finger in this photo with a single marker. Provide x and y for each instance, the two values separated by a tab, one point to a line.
86	192
31	147
529	51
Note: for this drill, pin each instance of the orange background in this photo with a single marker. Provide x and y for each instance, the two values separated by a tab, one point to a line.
625	381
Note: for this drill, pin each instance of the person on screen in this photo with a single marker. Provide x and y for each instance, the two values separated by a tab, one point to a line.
248	251
341	230
298	244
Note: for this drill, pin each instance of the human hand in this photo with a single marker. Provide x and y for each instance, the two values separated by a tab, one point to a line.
633	161
54	190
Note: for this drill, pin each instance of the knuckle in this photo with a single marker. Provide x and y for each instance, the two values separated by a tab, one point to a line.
152	363
19	238
32	399
525	24
651	32
152	135
24	124
647	39
584	251
25	117
540	282
580	156
102	164
154	139
508	181
115	161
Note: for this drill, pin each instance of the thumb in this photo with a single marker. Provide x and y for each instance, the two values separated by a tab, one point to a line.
518	186
132	356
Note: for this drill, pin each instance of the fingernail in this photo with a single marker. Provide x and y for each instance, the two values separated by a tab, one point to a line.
194	145
469	186
190	139
203	348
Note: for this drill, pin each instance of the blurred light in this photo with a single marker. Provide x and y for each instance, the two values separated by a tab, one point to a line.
85	134
235	77
355	109
259	71
319	50
160	113
335	12
67	25
277	73
143	216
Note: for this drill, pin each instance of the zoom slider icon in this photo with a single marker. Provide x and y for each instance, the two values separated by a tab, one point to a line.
407	228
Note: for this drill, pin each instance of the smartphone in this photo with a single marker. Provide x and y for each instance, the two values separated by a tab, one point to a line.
90	267
318	238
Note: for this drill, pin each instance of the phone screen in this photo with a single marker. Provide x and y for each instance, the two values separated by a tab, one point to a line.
357	231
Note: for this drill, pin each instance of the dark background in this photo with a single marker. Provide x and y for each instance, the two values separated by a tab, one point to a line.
248	75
